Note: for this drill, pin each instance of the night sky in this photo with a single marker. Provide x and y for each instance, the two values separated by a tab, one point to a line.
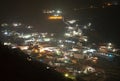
106	21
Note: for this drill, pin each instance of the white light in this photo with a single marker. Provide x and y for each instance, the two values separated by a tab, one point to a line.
29	27
75	33
74	49
13	47
85	40
27	36
91	50
62	45
114	50
15	24
59	11
6	43
89	24
85	51
67	34
60	41
23	47
73	42
79	71
6	33
72	21
70	28
109	44
66	75
47	67
47	39
90	69
109	47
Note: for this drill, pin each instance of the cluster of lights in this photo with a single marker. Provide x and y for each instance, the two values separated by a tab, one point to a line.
66	58
7	43
52	11
56	15
89	51
4	25
16	24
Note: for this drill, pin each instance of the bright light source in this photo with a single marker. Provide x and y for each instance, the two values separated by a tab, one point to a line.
109	44
60	41
58	11
6	33
23	47
66	74
109	47
70	28
72	21
47	67
75	33
85	51
67	34
74	49
47	39
85	40
29	27
62	45
91	50
15	24
79	71
13	47
114	50
55	17
26	36
6	43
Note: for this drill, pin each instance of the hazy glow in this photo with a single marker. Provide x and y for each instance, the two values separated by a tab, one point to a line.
66	75
59	11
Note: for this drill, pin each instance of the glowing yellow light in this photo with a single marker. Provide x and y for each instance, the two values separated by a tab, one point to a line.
36	51
66	75
55	17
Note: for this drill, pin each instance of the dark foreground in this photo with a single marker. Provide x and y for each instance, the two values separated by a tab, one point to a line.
17	66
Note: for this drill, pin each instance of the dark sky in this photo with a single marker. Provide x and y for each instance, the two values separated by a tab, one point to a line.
9	7
33	8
